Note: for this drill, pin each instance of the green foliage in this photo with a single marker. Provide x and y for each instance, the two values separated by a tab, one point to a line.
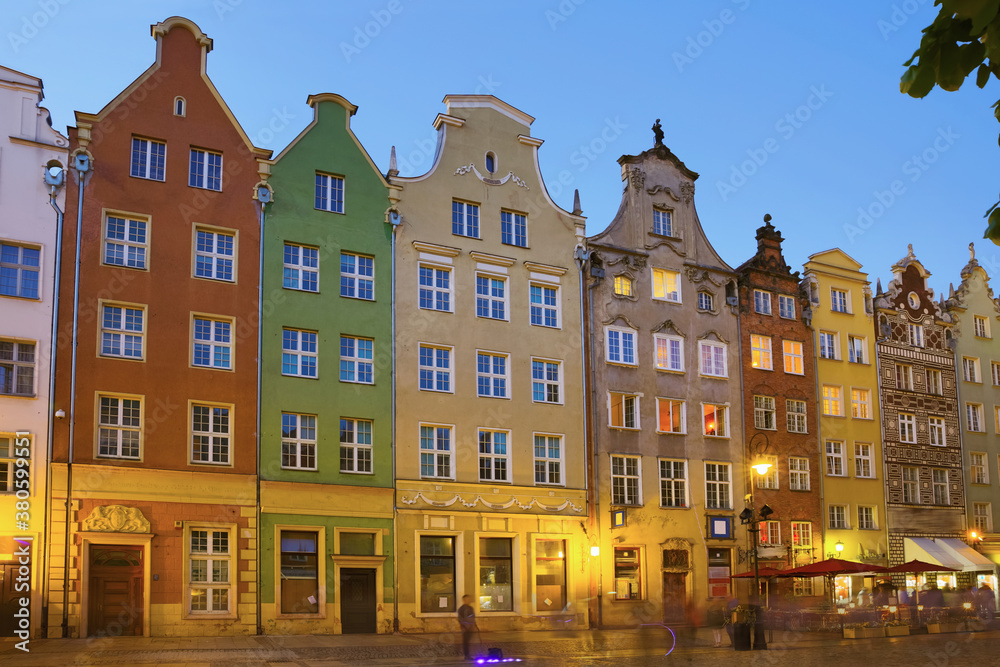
964	37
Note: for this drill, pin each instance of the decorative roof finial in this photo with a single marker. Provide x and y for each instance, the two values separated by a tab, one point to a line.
576	203
393	170
658	132
909	248
972	252
767	218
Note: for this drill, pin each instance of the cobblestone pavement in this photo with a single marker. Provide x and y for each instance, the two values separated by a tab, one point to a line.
557	649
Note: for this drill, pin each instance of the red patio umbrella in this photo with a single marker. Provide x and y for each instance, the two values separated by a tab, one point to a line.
831	567
918	566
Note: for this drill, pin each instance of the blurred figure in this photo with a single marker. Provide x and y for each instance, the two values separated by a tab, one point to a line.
932	596
987	603
730	608
716	620
693	614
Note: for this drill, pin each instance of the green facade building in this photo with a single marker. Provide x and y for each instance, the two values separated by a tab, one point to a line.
326	390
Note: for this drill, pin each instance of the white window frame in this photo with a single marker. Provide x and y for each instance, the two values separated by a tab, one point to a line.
357	446
618	412
299	354
829	345
915	334
866	518
796	417
489	300
770	533
327	189
940	488
626	479
547	461
792	351
836	464
974	418
221	340
626	353
713	480
465	219
981	326
904	377
119	332
760	352
299	271
937	431
717	352
491	376
439	458
26	265
509	227
970	370
661	279
144	168
220	262
709	301
907	425
856	347
355	282
211	557
839	512
119	427
663	222
542	309
979	471
297	447
910	487
761	302
498	451
833	405
798	473
935	382
434	372
995	367
664	349
982	517
769	480
433	293
133	245
861	403
671	404
544	383
864	460
765	413
361	366
802	534
785	304
623	285
677	486
218	434
842	298
724	422
206	180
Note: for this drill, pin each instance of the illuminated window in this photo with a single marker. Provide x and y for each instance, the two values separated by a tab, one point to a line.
760	352
666	285
623	286
715	420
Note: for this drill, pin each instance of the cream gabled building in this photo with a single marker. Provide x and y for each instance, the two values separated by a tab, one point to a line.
490	461
666	405
27	272
850	432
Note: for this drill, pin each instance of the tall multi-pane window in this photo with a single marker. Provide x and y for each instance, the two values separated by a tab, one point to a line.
546	383
910	491
936	430
793	357
763	413
496	574
663	222
786	307
981	326
434	288
210	434
798	473
355	445
996	373
19	267
148	159
205	170
435	451
712	357
760	352
904	377
666	285
620	346
768	480
210	562
861	404
669	352
119	425
356	360
548	459
835	458
300	268
125	242
833	404
916	335
670	415
717	486
970	369
673	483
762	302
213	343
866	517
839	300
299	583
465	219
795	416
357	276
491	297
827	345
838	516
939	481
706	301
974	417
623	410
982	518
437	574
329	193
122	331
934	384
980	474
855	350
214	254
907	427
513	229
435	368
863	462
801	535
298	353
770	533
715	420
550	575
544	305
298	441
625	480
494	456
491	375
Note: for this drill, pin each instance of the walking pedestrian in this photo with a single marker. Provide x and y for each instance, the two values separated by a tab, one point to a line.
467	619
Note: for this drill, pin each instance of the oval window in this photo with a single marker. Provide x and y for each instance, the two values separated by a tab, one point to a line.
913	300
491	163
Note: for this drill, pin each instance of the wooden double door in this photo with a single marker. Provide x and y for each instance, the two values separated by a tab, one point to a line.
115	591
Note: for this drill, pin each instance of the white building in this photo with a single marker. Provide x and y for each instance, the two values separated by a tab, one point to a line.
27	270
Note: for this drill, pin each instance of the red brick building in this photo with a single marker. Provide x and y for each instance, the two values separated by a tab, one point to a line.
779	404
155	462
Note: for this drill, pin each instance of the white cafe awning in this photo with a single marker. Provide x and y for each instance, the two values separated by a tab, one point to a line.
946	551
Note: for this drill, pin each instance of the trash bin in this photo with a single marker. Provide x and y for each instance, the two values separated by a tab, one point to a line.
741	631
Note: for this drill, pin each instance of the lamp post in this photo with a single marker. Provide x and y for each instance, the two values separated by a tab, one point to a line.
749	518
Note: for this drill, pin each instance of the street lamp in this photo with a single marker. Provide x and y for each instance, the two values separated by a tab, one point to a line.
839	546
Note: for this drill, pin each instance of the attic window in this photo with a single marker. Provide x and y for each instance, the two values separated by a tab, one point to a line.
180	106
491	162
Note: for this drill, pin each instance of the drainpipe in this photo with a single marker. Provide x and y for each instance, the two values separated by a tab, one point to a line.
581	255
394	220
81	162
55	178
263	198
596	471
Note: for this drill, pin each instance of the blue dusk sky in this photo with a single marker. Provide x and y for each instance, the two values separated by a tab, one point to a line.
791	109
